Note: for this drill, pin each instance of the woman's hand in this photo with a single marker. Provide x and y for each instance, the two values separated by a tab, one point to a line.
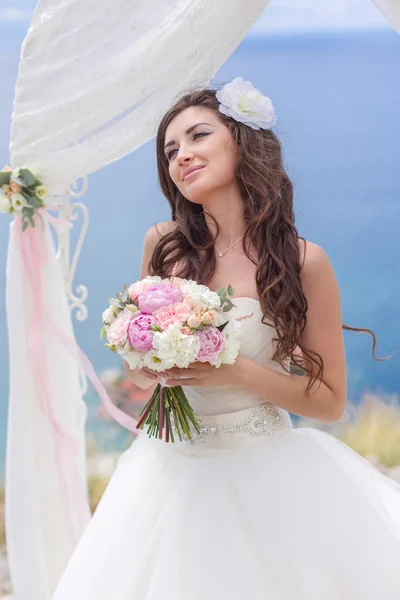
150	374
199	374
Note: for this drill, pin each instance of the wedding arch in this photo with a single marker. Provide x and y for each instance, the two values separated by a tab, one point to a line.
136	61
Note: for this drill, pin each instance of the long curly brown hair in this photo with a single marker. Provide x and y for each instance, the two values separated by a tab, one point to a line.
267	194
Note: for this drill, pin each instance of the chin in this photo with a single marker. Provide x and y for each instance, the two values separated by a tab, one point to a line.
199	194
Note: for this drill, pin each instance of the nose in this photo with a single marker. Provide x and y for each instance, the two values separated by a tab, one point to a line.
184	156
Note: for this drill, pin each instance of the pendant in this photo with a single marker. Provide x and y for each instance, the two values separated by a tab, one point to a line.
220	253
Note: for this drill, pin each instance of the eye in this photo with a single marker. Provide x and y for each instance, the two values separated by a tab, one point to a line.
195	136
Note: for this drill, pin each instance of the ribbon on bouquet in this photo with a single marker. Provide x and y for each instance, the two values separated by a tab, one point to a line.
32	247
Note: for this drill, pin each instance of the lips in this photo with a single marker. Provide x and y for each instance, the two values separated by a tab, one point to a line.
189	170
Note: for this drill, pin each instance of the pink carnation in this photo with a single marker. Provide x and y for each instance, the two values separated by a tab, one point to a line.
118	328
140	336
211	343
172	314
158	296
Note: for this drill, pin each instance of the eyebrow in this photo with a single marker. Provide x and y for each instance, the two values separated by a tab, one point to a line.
172	142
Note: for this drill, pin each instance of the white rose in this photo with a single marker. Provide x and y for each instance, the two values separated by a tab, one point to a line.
109	315
5	204
41	192
243	102
209	317
193	321
18	201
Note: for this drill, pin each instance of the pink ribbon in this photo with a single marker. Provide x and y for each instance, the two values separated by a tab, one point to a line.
32	247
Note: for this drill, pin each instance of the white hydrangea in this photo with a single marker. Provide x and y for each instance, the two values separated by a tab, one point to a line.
233	337
241	101
175	348
202	296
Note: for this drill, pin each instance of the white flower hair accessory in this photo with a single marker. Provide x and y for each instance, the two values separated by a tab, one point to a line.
243	102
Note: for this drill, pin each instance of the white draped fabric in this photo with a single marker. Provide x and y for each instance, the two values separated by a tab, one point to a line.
44	519
94	80
391	11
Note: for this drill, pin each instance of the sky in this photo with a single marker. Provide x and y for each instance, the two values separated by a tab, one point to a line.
279	16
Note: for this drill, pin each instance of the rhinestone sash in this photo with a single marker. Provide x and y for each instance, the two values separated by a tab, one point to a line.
234	429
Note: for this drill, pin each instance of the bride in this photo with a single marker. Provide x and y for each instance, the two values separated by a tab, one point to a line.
251	507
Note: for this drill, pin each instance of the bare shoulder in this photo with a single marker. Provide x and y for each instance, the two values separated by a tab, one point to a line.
313	259
151	239
158	230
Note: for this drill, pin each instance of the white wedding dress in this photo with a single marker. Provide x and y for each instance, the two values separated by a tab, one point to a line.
253	508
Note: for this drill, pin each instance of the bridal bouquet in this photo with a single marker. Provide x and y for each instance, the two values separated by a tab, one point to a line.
165	323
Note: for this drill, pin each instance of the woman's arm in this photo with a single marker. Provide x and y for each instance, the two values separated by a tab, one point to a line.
323	334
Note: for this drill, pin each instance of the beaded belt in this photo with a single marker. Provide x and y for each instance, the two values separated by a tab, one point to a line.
250	423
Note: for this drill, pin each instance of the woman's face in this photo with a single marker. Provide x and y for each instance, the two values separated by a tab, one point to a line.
197	138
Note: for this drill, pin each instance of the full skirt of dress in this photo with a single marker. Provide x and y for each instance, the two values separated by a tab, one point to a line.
296	515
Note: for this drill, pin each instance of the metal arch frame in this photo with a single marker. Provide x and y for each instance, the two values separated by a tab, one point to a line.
68	212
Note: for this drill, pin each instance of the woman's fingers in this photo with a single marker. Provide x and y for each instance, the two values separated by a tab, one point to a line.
153	374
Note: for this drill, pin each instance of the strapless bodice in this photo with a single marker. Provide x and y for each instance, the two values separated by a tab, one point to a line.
257	345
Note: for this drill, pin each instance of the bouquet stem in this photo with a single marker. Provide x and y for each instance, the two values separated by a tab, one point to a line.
156	414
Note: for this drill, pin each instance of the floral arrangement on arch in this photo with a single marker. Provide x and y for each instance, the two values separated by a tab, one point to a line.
22	193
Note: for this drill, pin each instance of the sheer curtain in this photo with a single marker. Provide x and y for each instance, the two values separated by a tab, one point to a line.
94	80
391	11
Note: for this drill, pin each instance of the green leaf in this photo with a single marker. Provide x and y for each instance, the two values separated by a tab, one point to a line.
111	347
228	305
26	176
156	328
29	215
222	327
103	332
124	293
115	302
24	225
34	201
231	291
5	177
28	210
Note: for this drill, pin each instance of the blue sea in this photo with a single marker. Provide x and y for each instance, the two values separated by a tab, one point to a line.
337	98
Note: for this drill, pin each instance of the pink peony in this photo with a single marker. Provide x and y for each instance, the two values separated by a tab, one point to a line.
118	328
140	336
158	296
211	343
172	314
135	289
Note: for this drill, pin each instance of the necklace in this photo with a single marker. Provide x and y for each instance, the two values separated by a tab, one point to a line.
224	252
